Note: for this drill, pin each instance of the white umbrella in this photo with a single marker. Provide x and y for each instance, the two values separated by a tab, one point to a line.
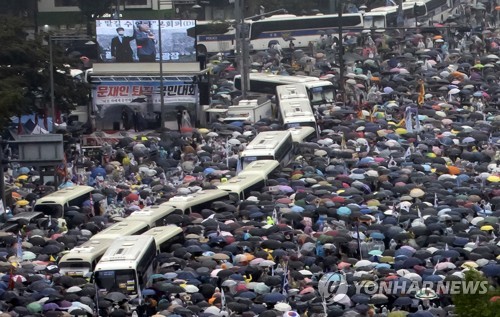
454	91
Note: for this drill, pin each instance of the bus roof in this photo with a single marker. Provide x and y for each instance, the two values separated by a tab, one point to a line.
150	214
126	248
64	195
291	91
163	233
120	229
299	134
186	202
297	107
281	78
261	167
87	251
267	140
241	182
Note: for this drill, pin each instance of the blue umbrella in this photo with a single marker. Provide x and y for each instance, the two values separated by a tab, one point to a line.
432	278
377	236
247	294
98	171
148	292
186	275
273	298
491	270
403	251
24	170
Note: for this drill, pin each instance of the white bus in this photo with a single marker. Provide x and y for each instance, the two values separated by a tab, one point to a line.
302	134
302	29
82	259
126	266
269	145
54	204
123	228
165	236
210	41
153	216
318	91
196	201
384	17
264	168
242	184
295	107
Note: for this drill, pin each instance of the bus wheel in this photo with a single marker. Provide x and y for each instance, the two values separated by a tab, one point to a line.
201	49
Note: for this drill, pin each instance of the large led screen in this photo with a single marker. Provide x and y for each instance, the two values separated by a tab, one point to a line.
138	41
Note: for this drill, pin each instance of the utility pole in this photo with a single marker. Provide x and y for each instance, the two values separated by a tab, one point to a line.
341	50
162	88
242	46
52	94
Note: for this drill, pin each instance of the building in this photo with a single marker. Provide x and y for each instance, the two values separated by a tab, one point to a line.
64	16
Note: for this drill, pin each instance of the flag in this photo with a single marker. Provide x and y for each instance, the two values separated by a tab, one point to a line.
222	300
218	230
343	144
421	93
227	152
275	215
435	200
407	153
286	285
239	168
19	248
408	120
11	278
62	169
419	213
92	211
477	241
446	248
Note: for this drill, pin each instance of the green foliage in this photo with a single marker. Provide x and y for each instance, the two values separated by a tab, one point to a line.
218	27
467	305
25	75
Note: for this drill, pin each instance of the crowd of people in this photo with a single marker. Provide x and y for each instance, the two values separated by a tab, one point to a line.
401	186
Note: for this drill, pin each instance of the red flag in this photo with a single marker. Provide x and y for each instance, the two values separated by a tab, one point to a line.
20	129
11	278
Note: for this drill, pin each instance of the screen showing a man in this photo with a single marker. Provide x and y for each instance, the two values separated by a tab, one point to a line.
146	43
126	41
120	47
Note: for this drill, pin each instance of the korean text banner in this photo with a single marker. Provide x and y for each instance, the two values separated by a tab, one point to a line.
130	41
143	95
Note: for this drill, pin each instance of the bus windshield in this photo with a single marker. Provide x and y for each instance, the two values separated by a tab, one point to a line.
53	210
122	281
320	94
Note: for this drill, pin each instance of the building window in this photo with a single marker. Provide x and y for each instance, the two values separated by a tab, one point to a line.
66	3
136	2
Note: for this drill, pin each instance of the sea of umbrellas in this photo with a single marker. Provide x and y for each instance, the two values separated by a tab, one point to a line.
391	189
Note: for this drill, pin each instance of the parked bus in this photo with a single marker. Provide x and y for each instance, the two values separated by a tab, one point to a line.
21	219
82	259
123	228
54	204
303	29
242	184
196	201
165	236
210	41
302	134
318	91
269	145
295	107
263	168
153	216
387	16
126	266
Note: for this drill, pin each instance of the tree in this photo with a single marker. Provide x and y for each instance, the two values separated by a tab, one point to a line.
25	73
93	10
476	304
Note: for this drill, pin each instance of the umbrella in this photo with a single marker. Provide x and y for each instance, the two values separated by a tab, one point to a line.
273	298
115	297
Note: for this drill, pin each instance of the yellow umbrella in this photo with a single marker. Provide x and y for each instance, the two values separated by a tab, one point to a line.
22	177
22	202
487	228
401	131
203	130
493	179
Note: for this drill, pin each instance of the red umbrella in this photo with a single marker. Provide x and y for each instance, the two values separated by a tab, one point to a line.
132	197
